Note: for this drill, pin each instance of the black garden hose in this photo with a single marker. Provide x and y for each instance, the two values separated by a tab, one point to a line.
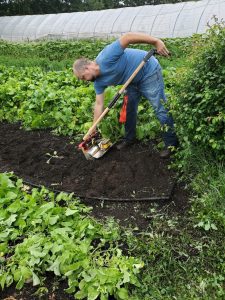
131	199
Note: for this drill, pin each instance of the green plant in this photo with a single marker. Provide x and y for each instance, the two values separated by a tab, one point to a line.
181	261
56	100
198	105
39	235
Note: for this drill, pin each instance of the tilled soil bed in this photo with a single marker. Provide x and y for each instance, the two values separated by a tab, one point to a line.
42	158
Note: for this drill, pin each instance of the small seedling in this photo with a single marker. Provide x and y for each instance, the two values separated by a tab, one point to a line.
54	155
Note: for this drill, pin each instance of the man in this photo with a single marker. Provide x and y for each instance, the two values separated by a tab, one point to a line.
113	66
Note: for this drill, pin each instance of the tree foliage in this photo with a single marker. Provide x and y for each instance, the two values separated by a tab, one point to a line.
32	7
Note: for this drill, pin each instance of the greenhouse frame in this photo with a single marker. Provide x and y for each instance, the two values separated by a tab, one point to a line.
165	21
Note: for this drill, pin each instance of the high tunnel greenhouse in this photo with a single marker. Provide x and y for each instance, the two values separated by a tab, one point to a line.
166	20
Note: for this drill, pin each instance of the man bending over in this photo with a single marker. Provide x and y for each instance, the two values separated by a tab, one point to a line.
113	66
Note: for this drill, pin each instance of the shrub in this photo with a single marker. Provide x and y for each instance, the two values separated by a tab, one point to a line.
198	105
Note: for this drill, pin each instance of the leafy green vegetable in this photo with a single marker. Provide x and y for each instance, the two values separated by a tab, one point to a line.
60	239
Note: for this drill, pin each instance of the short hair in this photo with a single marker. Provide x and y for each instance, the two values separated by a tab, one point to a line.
80	64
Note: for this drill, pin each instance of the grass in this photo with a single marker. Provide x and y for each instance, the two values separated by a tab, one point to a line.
184	254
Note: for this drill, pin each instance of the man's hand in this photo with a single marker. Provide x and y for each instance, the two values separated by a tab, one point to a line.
161	48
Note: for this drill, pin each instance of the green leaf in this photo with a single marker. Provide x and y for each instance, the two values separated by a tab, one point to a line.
55	267
36	279
21	223
70	290
123	294
3	280
81	294
207	226
20	283
126	277
92	293
53	220
14	207
70	212
11	195
139	266
25	272
45	207
104	296
200	224
11	219
17	275
213	226
3	248
9	280
4	235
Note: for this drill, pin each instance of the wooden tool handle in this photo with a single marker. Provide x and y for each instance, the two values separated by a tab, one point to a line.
131	77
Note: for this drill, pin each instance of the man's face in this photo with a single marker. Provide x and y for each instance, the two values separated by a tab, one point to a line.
88	74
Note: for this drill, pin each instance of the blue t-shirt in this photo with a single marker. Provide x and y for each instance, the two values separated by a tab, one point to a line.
117	65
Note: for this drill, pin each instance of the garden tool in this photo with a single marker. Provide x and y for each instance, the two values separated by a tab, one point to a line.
93	145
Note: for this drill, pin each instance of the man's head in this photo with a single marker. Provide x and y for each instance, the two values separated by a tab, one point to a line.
86	69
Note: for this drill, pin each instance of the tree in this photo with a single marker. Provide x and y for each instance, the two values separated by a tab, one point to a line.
31	7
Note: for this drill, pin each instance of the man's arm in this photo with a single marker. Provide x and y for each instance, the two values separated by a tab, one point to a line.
99	106
138	38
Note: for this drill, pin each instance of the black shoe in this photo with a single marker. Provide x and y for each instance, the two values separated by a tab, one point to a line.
124	144
167	152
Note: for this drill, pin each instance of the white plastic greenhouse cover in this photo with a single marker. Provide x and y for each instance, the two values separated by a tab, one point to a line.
166	20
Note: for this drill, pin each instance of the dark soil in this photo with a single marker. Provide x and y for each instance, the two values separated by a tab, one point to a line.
136	172
55	291
42	158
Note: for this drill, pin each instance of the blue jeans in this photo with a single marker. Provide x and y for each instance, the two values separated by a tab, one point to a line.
152	88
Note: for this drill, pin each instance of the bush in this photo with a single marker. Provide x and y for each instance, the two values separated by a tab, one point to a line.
198	105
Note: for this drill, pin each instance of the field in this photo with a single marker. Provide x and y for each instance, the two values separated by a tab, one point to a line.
127	226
